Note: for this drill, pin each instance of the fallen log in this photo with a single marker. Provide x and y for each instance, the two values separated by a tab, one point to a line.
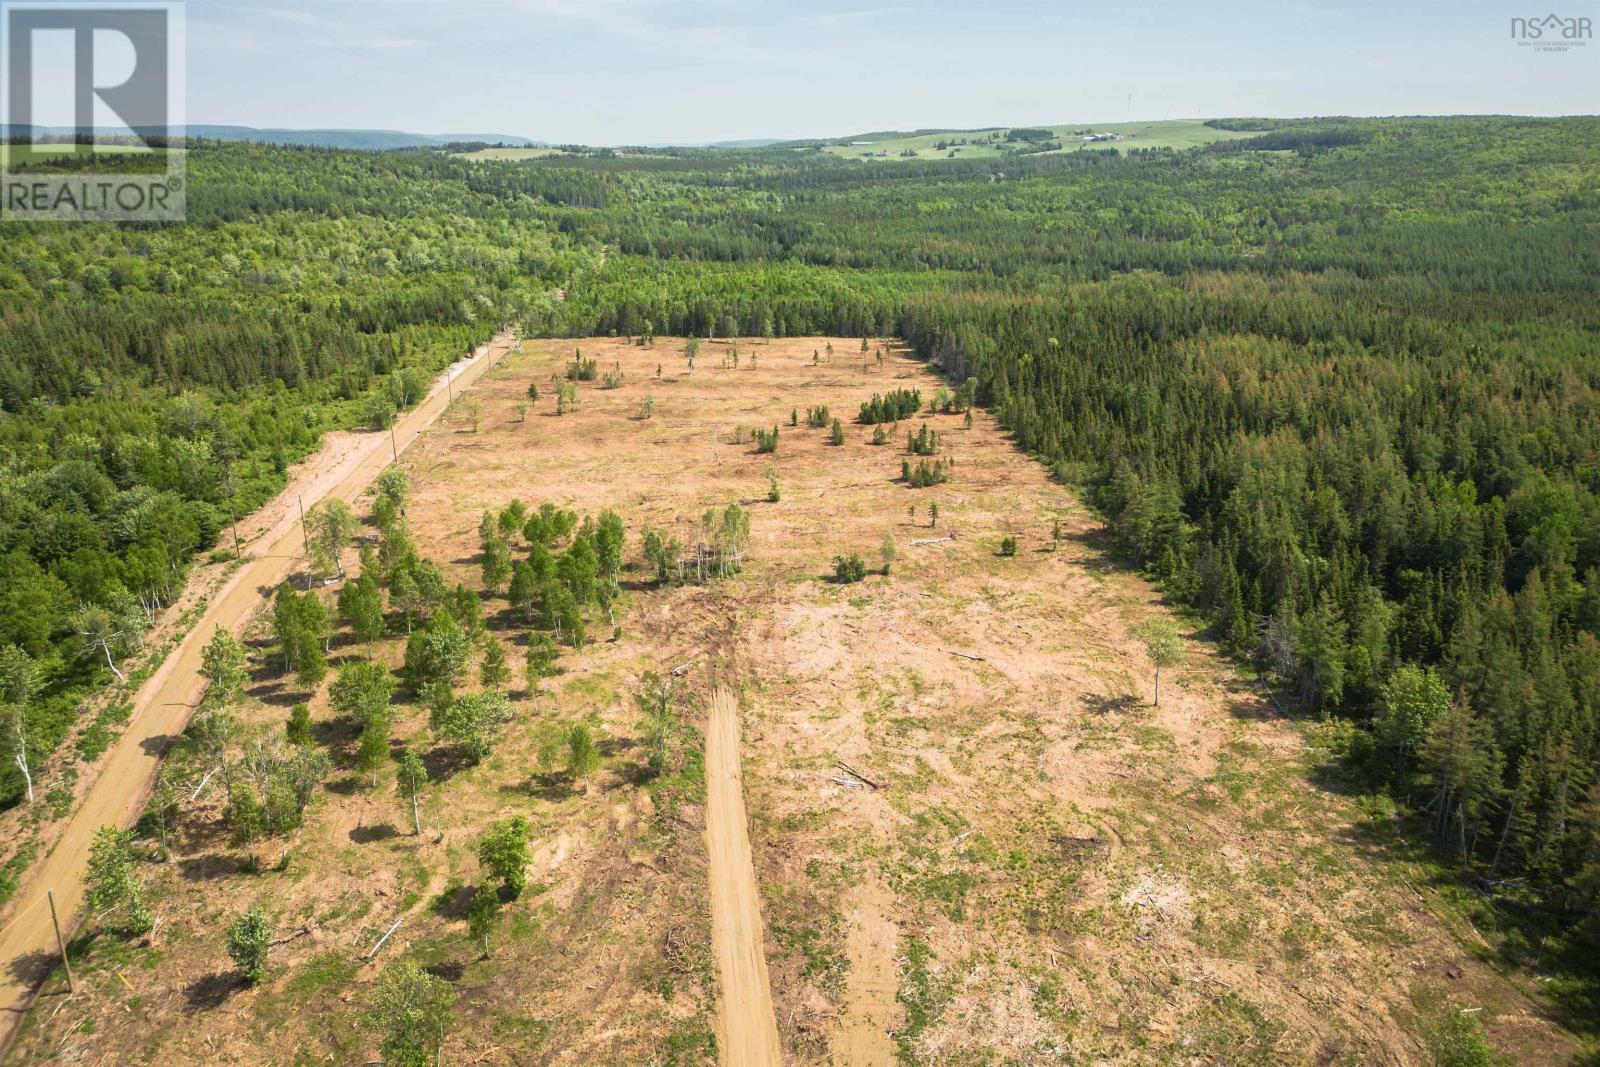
846	768
302	932
930	540
966	655
385	937
203	782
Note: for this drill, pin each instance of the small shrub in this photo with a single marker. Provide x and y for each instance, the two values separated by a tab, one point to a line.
1456	1040
847	570
249	939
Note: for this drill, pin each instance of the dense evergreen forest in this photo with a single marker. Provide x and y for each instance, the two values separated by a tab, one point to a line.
1337	385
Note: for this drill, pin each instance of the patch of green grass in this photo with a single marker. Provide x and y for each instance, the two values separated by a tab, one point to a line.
1231	1029
530	1032
689	1041
1154	738
1223	934
922	995
93	742
325	970
11	870
923	875
821	945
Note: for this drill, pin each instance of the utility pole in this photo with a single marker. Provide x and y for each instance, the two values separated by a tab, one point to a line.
448	381
305	537
61	946
392	446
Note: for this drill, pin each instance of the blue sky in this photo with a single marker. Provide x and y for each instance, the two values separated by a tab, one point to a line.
635	71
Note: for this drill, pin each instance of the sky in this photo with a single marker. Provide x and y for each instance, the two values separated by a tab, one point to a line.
654	71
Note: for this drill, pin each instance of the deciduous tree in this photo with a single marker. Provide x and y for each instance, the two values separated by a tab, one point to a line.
471	721
411	1012
249	940
1162	644
503	851
111	886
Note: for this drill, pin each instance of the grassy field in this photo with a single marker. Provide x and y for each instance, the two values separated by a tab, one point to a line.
976	840
47	151
981	144
510	153
1173	133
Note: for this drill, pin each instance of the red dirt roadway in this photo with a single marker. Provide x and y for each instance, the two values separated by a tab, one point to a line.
162	705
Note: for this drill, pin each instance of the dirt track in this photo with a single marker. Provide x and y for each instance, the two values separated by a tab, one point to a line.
162	705
863	1027
748	1033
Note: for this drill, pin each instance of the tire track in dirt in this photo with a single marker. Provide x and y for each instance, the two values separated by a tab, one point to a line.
872	984
747	1028
162	705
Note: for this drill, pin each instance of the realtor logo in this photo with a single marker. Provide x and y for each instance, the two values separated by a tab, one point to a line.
91	111
1552	33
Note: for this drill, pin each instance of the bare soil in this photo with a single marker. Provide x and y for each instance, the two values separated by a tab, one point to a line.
230	597
746	1031
1021	861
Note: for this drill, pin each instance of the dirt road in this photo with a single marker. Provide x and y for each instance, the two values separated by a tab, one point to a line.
162	705
747	1030
862	1039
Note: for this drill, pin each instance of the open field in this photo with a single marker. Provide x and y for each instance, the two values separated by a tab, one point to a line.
510	153
1171	133
50	151
1019	860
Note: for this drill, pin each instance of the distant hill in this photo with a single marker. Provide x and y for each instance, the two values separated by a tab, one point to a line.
488	138
371	139
367	139
996	142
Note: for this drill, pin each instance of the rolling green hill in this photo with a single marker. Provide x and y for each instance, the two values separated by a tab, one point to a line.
997	141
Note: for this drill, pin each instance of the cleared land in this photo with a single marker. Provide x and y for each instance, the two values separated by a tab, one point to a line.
162	704
973	838
510	153
47	151
981	144
747	1032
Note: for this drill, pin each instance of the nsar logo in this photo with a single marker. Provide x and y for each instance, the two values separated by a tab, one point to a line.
1552	33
